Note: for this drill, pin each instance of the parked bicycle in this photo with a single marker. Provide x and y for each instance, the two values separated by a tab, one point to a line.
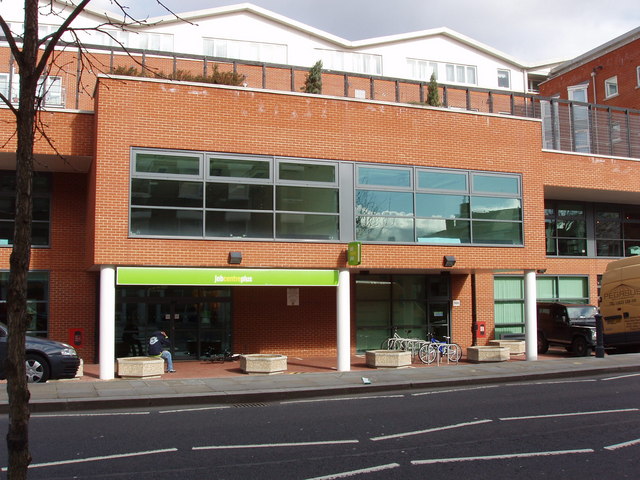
433	349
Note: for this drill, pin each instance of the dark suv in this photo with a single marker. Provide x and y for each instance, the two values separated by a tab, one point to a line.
570	325
46	359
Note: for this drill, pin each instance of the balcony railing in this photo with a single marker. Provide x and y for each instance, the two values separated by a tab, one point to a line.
567	126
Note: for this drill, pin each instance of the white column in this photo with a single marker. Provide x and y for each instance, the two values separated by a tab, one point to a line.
344	321
107	321
530	315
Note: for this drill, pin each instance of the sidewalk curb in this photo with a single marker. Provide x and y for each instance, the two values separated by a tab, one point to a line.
300	393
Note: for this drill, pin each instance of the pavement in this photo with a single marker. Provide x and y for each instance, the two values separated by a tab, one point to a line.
202	382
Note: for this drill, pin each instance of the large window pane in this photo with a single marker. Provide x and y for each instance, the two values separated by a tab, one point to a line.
307	199
240	168
239	195
502	233
442	206
442	181
239	224
573	287
384	203
166	193
496	208
384	229
443	231
306	172
166	222
572	247
384	177
294	225
169	164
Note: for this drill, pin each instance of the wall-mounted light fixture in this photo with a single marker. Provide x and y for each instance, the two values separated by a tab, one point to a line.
448	261
235	258
541	270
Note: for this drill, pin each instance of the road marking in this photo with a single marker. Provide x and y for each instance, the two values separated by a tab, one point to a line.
623	444
195	409
98	459
454	390
274	445
57	415
341	399
353	473
621	376
501	457
429	430
550	382
572	414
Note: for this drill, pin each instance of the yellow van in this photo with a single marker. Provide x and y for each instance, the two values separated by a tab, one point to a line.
620	303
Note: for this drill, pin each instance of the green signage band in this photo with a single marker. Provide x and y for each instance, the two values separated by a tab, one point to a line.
225	277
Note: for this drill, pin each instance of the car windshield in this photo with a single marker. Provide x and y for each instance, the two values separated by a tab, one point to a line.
577	313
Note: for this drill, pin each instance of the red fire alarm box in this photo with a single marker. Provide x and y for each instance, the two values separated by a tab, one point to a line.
75	337
481	329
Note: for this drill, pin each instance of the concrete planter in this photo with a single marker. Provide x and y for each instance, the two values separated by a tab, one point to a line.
516	347
388	358
488	354
263	363
140	367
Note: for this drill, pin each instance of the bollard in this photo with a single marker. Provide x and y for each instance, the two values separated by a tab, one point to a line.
599	337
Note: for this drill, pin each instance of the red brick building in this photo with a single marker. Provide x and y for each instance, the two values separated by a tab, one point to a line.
223	215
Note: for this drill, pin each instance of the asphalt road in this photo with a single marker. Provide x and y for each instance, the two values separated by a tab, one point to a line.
571	429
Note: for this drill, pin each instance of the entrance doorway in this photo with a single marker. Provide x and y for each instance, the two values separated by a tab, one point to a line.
198	325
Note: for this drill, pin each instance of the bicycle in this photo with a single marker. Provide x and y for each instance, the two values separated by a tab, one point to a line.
435	348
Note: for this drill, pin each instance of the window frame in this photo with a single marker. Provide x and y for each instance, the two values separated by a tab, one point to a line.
611	88
507	77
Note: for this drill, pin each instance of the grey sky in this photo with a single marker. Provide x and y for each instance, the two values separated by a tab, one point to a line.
529	31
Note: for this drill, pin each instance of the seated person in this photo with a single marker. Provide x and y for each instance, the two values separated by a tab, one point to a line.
158	345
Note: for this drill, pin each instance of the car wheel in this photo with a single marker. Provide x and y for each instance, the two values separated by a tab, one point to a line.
580	347
543	345
37	369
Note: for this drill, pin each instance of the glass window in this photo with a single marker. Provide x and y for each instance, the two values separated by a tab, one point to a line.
351	62
496	208
442	206
145	191
389	177
483	183
307	199
41	211
566	228
443	231
306	172
160	163
37	301
611	87
380	202
461	73
239	168
239	196
506	233
439	180
422	69
504	78
244	50
241	224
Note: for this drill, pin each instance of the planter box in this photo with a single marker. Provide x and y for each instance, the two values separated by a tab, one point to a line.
263	363
388	358
140	367
516	347
488	354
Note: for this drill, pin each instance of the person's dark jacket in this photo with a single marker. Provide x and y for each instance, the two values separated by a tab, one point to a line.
157	343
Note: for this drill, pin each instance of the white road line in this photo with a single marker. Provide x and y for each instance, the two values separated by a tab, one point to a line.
98	459
500	457
623	444
571	414
341	399
58	415
429	430
621	376
453	390
549	382
273	445
195	409
353	473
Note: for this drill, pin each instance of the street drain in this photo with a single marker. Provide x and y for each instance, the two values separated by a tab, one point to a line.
249	405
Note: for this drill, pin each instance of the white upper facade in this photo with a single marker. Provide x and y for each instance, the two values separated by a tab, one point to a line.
247	32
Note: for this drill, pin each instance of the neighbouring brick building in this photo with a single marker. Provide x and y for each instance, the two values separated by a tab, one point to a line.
224	214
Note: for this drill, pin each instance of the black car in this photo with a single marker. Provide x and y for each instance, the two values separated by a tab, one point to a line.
570	325
46	359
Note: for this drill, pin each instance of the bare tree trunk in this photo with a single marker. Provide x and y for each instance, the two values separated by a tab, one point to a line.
17	388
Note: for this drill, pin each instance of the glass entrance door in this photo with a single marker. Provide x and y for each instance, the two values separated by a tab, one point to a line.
197	326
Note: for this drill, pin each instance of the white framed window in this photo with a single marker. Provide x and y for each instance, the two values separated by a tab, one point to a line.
504	78
51	89
422	69
351	62
4	84
252	51
152	41
638	76
461	74
611	87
